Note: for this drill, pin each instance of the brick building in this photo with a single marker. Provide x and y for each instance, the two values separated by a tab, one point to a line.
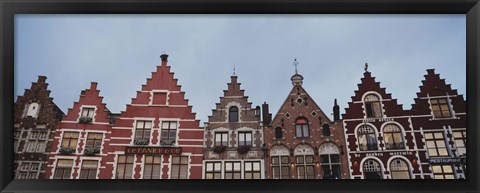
35	119
302	142
81	143
233	138
379	135
439	118
157	136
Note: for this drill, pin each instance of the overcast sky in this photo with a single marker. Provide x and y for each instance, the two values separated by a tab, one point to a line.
120	52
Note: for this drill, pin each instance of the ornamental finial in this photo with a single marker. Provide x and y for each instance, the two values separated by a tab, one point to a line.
295	63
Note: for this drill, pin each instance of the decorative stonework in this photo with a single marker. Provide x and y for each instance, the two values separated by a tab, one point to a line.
279	150
328	148
304	150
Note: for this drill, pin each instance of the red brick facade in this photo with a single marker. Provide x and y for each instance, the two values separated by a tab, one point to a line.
35	119
302	142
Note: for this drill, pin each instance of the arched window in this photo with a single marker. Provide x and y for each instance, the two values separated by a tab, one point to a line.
280	156
305	162
301	128
326	130
330	160
392	135
278	133
372	170
367	139
399	169
373	106
32	110
233	114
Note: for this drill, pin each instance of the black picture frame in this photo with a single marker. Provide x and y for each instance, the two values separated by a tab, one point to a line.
11	7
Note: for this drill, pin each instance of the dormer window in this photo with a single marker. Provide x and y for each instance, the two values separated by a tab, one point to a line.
301	128
233	114
440	108
373	107
33	109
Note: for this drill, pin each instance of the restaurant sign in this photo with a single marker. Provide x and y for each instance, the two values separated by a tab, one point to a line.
153	150
447	160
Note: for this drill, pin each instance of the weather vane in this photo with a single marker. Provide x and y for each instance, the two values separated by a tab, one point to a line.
234	69
366	67
295	63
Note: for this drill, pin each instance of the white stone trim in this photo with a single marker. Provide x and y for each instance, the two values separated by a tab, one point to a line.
376	159
402	131
54	166
380	99
153	91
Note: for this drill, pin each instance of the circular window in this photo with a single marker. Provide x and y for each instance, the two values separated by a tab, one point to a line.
287	115
314	113
299	100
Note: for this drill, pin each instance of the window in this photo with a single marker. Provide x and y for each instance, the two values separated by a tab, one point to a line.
37	141
330	160
142	132
33	109
28	170
233	170
372	170
169	132
152	167
179	168
252	169
89	169
440	108
245	138
70	139
63	169
373	106
281	167
326	130
278	133
124	167
159	98
399	169
17	136
94	141
392	135
221	138
88	112
301	128
443	172
367	139
233	114
213	170
436	145
305	167
460	138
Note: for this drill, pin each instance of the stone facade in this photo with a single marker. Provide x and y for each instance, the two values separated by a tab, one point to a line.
35	119
302	142
233	138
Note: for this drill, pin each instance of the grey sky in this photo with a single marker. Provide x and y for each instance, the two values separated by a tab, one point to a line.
120	52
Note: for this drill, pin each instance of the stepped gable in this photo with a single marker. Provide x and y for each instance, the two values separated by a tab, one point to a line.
38	93
161	81
368	84
233	90
89	97
433	86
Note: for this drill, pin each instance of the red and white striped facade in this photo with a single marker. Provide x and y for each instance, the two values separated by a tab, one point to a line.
159	118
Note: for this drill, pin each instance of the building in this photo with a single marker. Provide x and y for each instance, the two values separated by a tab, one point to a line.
35	119
439	118
234	138
380	139
81	143
157	136
302	142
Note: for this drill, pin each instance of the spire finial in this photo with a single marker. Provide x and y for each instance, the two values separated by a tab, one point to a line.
234	69
295	63
366	67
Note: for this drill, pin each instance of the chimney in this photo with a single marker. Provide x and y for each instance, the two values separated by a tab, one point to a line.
336	111
266	115
93	86
164	59
41	79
